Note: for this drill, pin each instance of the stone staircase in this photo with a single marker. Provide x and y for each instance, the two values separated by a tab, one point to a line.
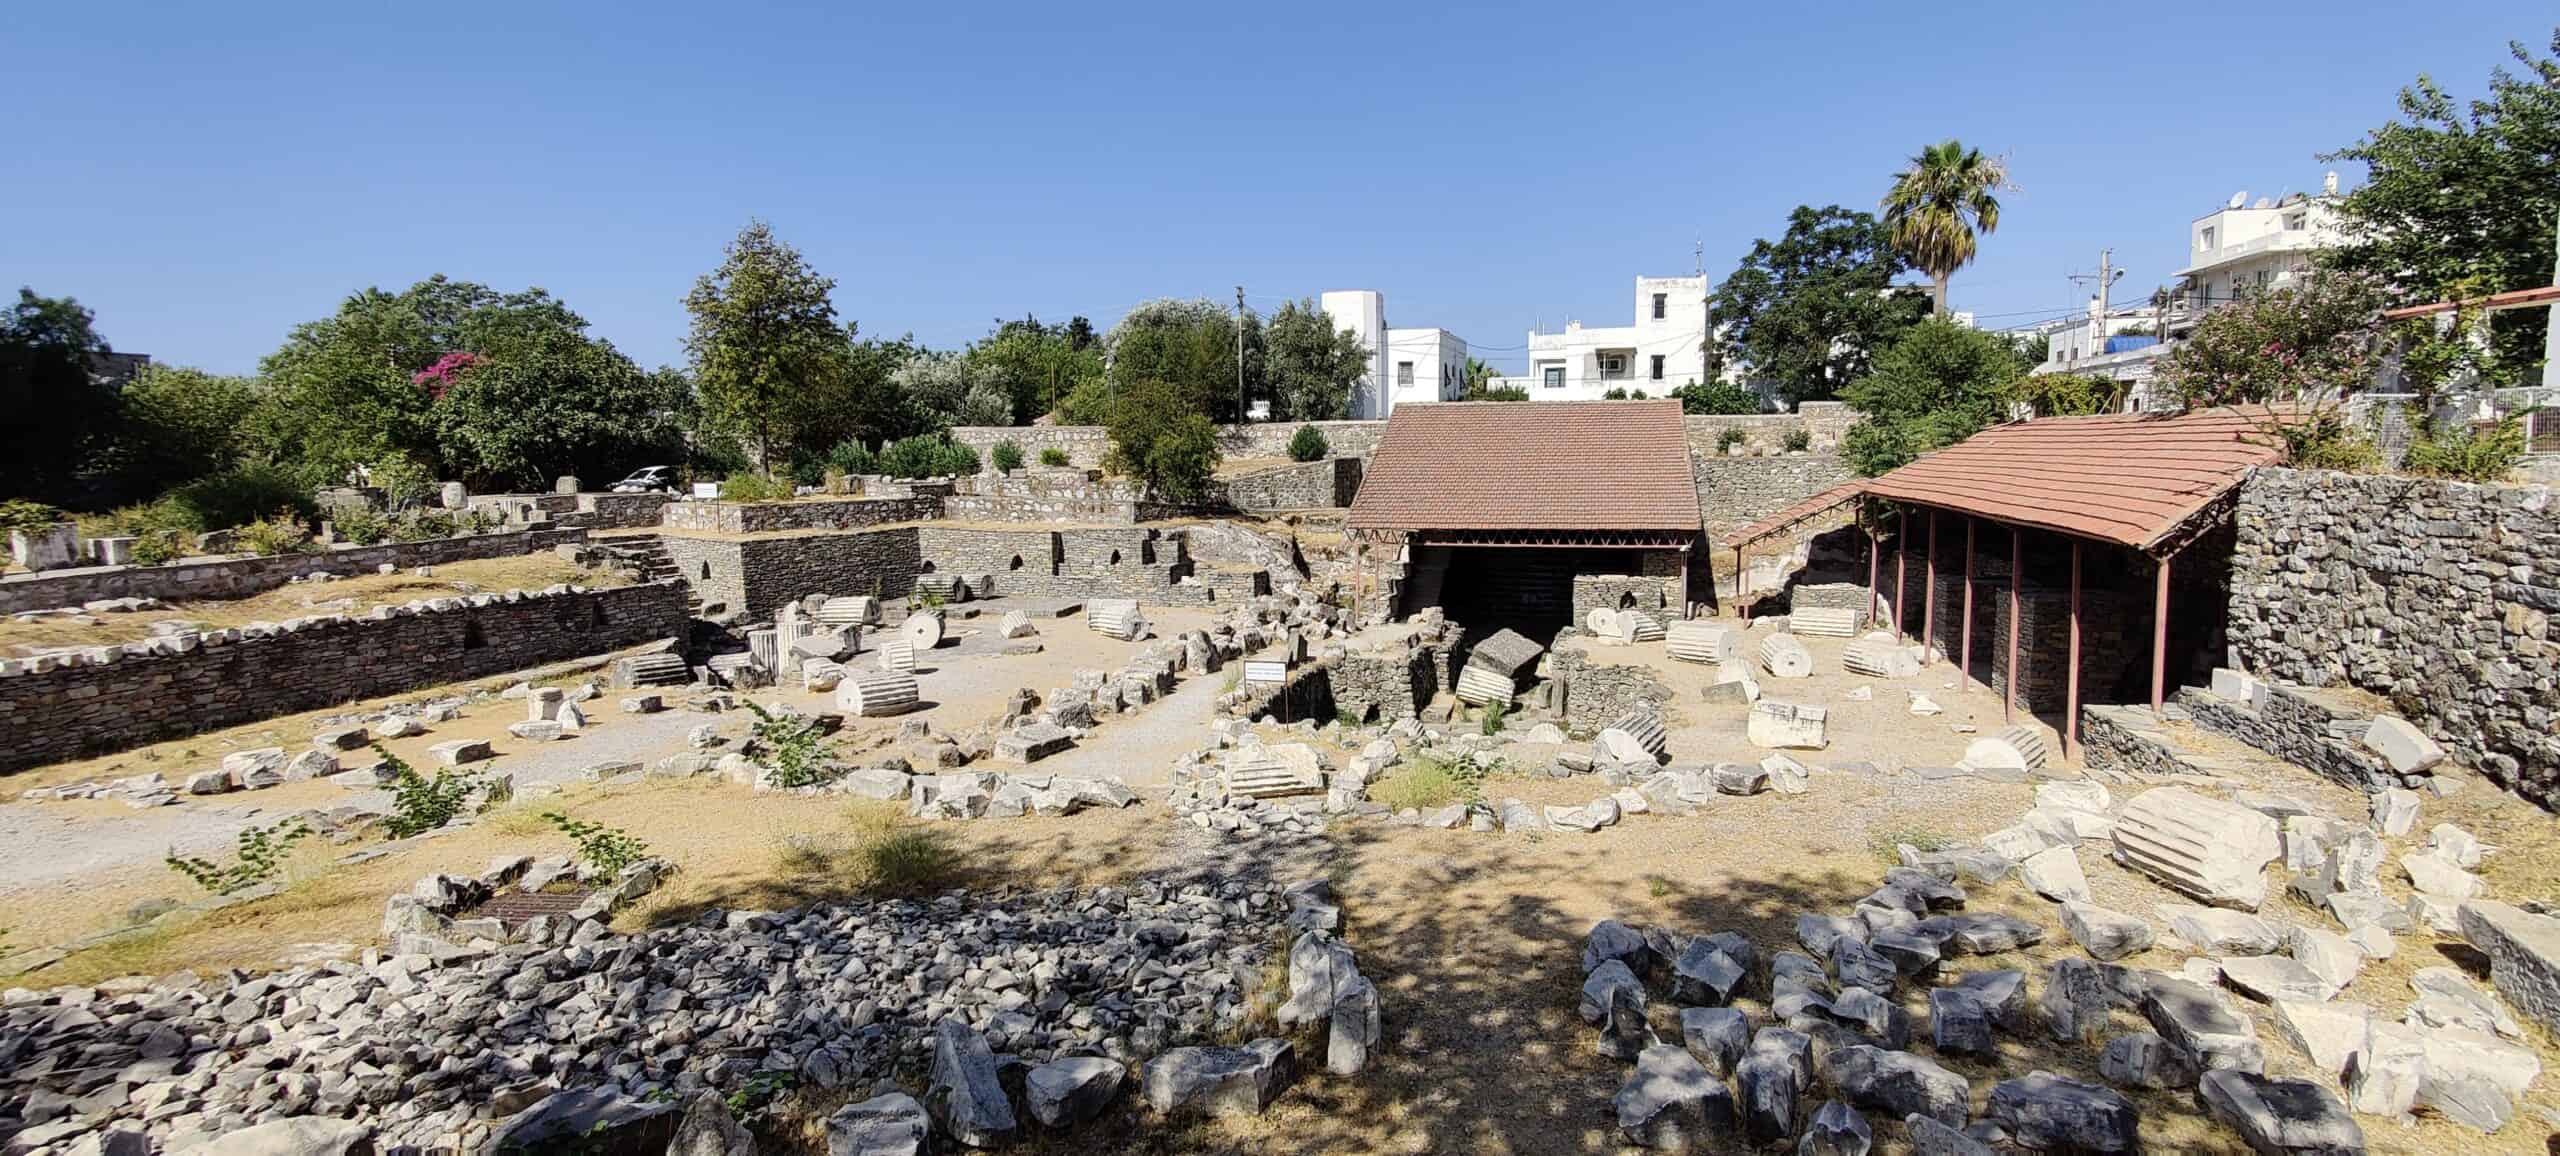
647	555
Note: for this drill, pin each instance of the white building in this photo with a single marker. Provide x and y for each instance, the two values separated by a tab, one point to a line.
2237	250
1664	350
1405	365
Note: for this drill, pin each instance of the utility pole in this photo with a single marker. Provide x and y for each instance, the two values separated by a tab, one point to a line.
1240	399
2106	277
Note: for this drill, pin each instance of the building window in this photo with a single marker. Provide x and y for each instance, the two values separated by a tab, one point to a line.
1404	373
2266	277
1613	365
1661	302
2295	222
2204	239
1552	376
1657	367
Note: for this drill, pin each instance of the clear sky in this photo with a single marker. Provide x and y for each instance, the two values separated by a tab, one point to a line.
204	176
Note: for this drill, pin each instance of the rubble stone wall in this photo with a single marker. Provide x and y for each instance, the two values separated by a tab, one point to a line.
2310	728
232	677
2438	596
1328	484
1653	594
804	514
1596	693
1384	685
1085	444
1734	492
242	577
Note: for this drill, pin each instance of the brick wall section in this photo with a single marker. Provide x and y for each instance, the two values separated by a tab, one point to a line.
69	712
1329	484
2438	596
242	577
805	514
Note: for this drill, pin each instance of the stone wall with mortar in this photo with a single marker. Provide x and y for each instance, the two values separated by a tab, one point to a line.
2437	596
1655	595
1735	491
1328	484
242	577
1823	423
754	576
1384	684
67	707
804	514
1085	445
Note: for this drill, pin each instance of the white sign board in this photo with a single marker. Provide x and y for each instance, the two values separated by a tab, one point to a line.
706	489
1273	672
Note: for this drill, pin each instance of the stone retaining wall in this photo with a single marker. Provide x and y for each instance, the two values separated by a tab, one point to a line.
233	676
755	576
242	577
1597	693
2437	596
1735	491
804	514
2314	729
1328	484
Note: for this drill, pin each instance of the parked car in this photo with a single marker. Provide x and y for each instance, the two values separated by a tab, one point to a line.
648	480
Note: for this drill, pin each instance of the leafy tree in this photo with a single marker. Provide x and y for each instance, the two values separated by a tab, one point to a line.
764	334
1162	442
1502	393
1937	385
562	405
2308	340
1189	346
180	424
1809	310
2460	193
1479	380
58	409
1716	397
1309	366
2069	394
1940	205
1037	364
1308	444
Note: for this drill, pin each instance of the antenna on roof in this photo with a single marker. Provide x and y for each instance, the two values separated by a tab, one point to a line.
2237	199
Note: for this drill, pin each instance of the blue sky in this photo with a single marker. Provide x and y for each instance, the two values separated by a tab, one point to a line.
206	176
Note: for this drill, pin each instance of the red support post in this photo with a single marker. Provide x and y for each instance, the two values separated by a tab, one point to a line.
1929	592
1901	571
2160	636
2071	680
1875	597
1964	637
2017	578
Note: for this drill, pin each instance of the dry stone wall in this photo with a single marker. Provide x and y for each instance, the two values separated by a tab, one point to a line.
2438	596
1733	492
242	577
1329	484
804	514
113	698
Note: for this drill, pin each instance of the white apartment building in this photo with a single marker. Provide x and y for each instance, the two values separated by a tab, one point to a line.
2247	247
1664	350
1405	365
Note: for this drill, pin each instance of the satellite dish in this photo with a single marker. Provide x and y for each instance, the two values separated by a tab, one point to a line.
2263	203
2237	199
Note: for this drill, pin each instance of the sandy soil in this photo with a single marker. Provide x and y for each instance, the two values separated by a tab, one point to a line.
343	596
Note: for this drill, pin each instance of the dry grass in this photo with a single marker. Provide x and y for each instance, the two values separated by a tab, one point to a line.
345	596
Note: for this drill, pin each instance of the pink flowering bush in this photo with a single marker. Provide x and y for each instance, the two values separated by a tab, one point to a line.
441	376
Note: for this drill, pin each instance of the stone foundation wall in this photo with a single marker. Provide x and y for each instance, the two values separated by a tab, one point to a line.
2125	740
242	577
251	673
805	514
1822	421
755	576
2437	596
2308	728
1655	595
1329	484
1596	693
1385	685
1085	444
1734	492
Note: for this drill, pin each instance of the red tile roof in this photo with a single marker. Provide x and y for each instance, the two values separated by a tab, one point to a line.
2131	479
1514	465
2511	299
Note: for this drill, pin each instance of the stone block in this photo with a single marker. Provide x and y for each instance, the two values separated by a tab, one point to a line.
1785	725
1699	640
2207	848
456	752
2407	749
2524	956
2280	1116
1781	656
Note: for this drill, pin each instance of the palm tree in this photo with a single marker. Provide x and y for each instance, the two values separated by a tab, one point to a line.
1939	205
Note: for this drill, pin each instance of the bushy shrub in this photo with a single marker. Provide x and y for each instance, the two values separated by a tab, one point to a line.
1308	444
1729	437
1053	456
161	531
1427	782
2327	441
1494	713
1799	440
21	514
360	523
1008	457
241	496
422	525
259	858
1154	438
749	486
927	457
2465	453
795	747
420	804
271	537
604	850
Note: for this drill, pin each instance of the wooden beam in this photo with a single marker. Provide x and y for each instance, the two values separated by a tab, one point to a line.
2071	680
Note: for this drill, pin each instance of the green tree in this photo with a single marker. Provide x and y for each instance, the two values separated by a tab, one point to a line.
59	410
1809	311
2069	394
1939	206
1163	443
1937	385
1479	379
2313	339
2464	192
361	385
180	424
949	389
1309	366
561	405
764	342
1189	346
1716	397
1038	364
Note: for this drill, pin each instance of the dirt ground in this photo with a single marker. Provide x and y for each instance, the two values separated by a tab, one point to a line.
342	596
1473	938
